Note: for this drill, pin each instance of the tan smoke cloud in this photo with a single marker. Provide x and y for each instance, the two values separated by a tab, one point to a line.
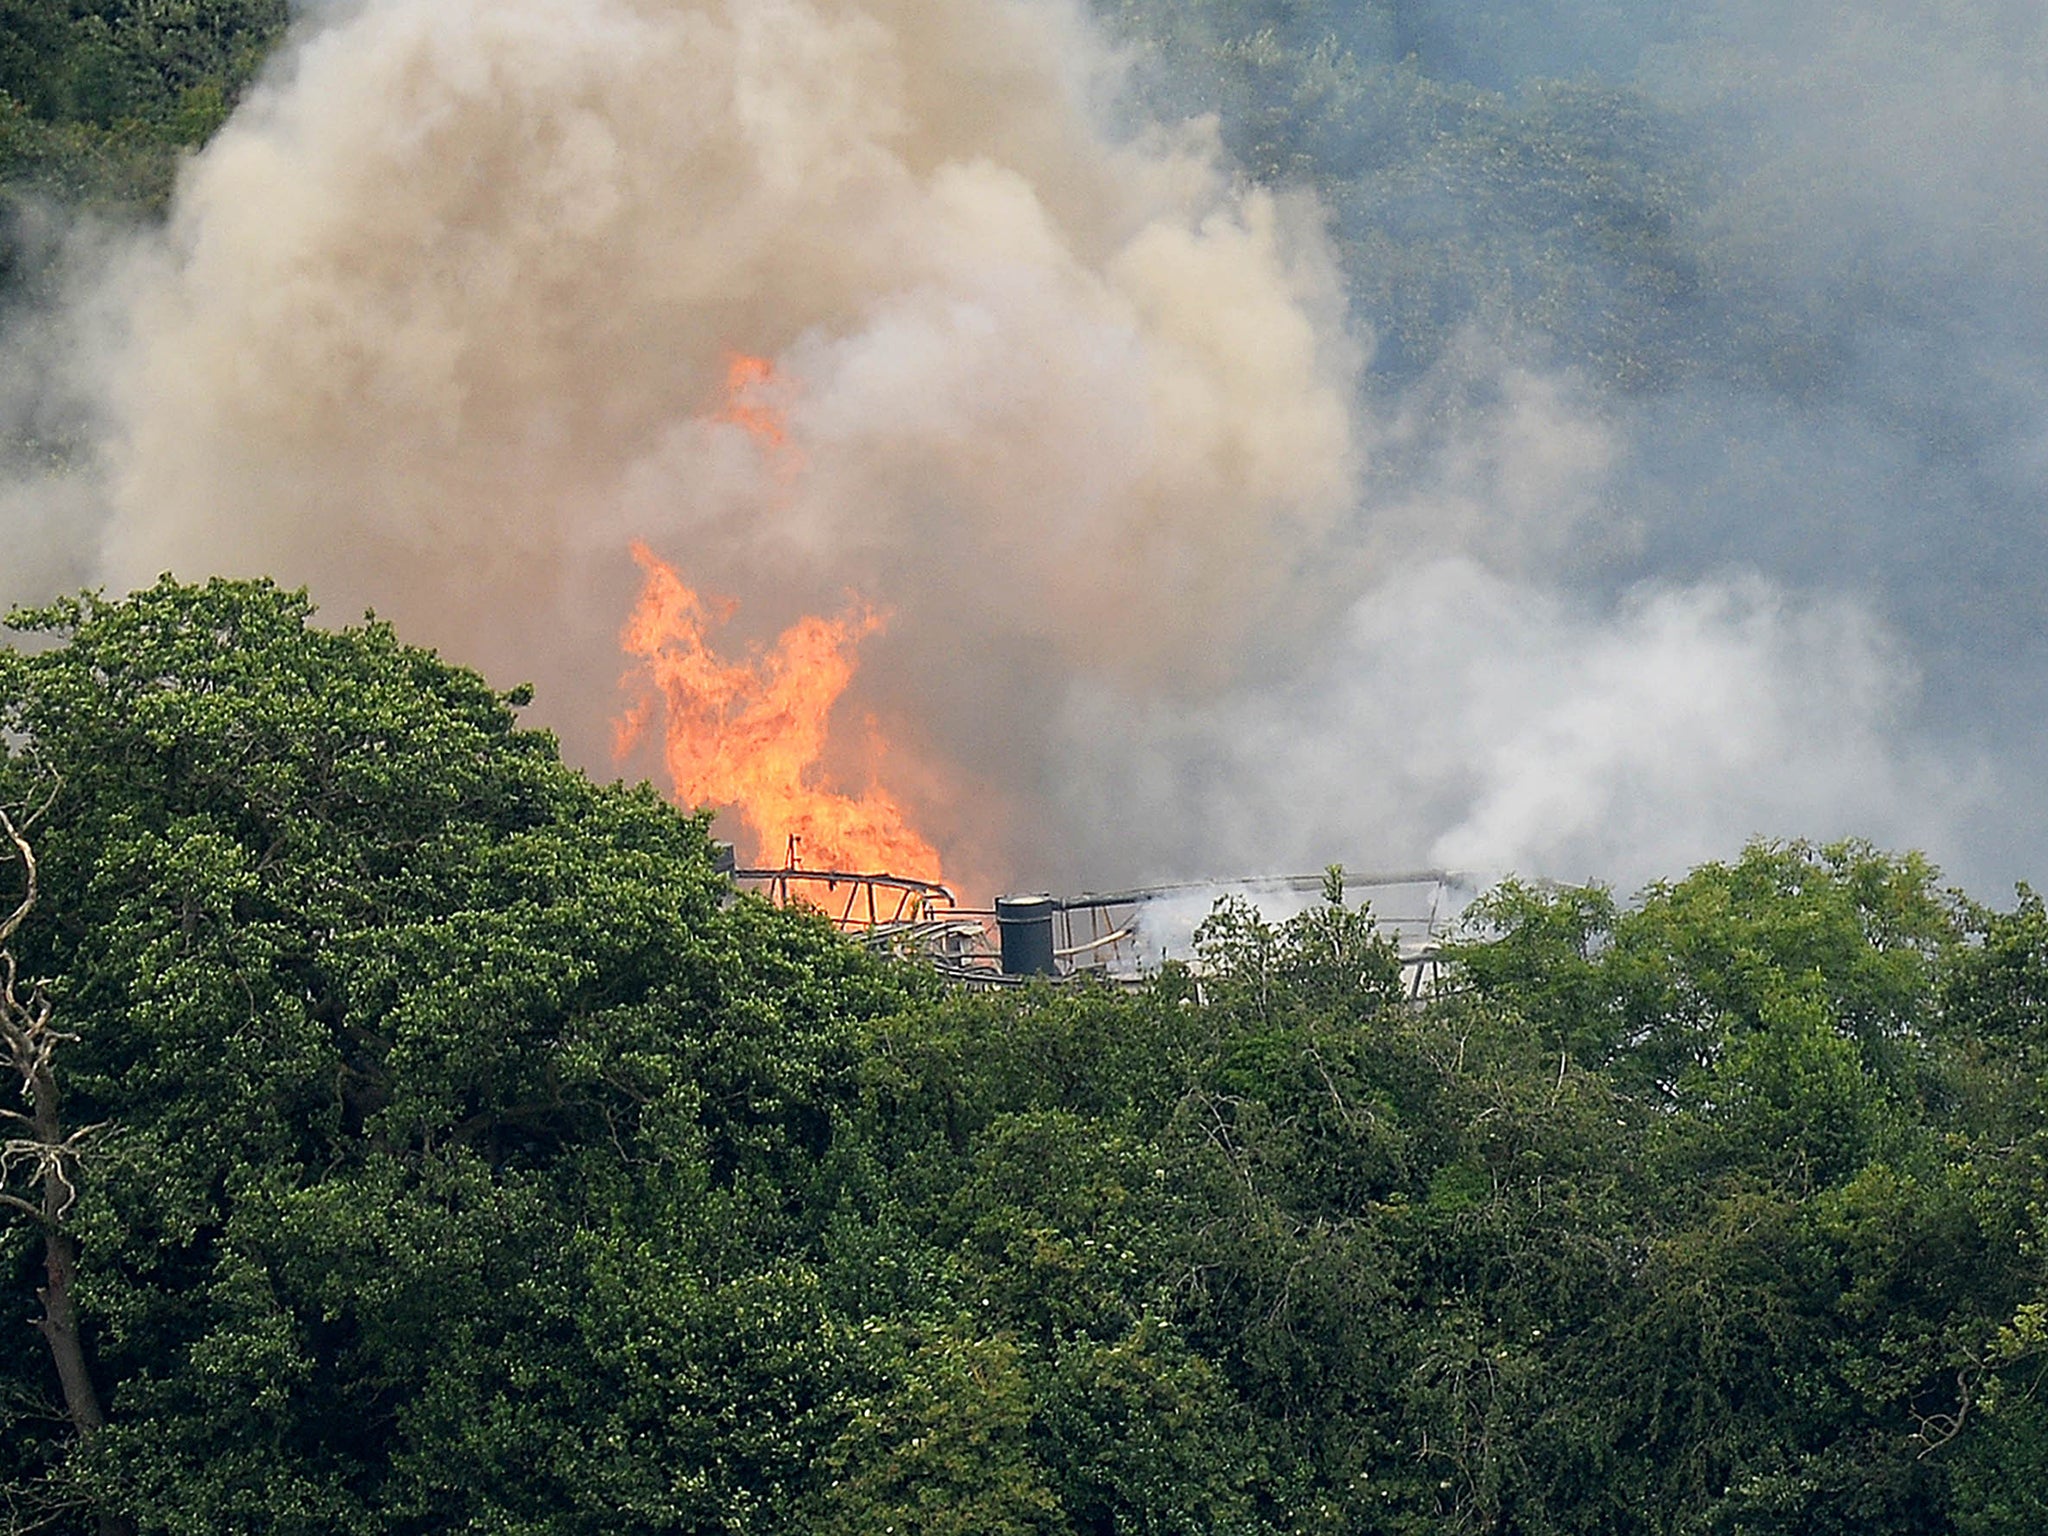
445	311
443	323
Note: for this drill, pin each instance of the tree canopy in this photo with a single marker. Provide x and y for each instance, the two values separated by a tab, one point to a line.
97	97
468	1157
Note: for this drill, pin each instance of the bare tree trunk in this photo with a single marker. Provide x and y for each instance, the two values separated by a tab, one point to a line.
59	1324
29	1039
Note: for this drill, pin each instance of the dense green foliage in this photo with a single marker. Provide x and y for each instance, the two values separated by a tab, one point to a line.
97	97
474	1162
1548	200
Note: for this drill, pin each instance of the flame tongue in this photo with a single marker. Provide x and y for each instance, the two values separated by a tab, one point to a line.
750	734
750	405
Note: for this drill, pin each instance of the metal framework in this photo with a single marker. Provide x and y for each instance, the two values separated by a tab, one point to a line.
1099	934
869	902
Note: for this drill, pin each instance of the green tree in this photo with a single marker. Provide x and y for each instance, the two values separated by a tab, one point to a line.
41	1152
390	1008
938	1445
477	1160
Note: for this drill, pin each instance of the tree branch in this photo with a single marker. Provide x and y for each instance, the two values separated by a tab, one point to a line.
12	923
49	1154
16	1203
1938	1429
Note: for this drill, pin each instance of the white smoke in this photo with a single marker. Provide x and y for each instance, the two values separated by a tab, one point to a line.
1471	722
440	324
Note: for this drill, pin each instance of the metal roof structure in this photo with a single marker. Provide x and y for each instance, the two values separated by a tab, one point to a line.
1117	936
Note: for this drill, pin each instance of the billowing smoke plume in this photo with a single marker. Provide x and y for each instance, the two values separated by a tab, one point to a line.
440	325
1483	725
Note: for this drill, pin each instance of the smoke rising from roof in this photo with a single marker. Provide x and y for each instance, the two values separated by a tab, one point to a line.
440	322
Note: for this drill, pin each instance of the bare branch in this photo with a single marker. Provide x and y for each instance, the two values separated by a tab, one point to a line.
1938	1429
27	855
51	1164
56	788
16	1203
50	1156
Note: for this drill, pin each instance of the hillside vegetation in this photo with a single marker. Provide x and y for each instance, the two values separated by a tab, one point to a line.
97	97
463	1157
414	1136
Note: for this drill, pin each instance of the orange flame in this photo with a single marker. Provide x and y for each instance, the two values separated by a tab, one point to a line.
749	735
753	403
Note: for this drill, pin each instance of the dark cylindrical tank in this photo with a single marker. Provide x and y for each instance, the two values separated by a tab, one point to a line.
1024	926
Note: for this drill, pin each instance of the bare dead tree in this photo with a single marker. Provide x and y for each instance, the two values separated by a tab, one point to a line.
39	1157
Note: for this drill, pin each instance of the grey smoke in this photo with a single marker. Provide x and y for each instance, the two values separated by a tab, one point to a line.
1195	565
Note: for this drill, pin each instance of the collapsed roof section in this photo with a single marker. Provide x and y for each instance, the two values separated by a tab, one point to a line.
1116	936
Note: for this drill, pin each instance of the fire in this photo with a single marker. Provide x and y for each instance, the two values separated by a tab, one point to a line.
753	403
750	734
